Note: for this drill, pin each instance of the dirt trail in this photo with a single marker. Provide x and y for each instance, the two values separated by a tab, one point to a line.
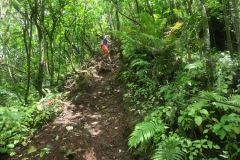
97	119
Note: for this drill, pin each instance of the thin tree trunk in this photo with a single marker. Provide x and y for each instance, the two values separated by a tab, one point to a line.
27	38
4	49
236	23
227	28
13	79
185	32
137	7
207	49
188	6
150	10
117	15
39	26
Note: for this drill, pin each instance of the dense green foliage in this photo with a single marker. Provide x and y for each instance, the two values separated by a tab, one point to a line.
179	62
185	115
18	123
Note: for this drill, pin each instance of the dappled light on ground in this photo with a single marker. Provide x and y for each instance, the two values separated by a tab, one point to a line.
90	155
91	125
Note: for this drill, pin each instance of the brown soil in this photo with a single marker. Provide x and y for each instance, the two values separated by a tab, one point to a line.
97	116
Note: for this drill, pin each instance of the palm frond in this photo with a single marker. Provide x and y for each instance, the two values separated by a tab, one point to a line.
144	131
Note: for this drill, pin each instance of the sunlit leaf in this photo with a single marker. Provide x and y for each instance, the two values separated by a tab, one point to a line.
198	120
236	130
31	149
10	145
69	128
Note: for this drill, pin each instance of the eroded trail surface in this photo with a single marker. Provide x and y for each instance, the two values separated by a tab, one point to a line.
92	124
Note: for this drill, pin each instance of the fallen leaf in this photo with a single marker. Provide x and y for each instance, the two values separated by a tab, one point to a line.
103	107
69	128
24	144
31	149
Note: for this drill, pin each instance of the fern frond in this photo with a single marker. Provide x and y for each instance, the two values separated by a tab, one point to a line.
139	63
212	96
225	107
196	65
235	100
169	150
144	131
218	97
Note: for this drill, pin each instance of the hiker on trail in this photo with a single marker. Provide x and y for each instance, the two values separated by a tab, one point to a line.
104	45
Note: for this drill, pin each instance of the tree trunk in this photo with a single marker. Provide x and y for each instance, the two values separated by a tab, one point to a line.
207	49
4	52
185	32
39	26
27	38
150	10
227	28
117	15
236	23
137	7
188	6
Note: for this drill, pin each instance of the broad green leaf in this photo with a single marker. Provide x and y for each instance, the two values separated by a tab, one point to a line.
217	126
10	145
180	118
198	120
191	112
216	146
214	119
189	143
205	146
210	144
205	131
222	133
224	118
236	130
3	150
227	128
204	111
230	77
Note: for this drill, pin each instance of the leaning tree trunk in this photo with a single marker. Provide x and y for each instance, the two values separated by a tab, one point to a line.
207	49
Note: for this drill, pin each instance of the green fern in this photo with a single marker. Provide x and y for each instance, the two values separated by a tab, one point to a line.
235	100
139	63
168	150
143	132
212	96
195	65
